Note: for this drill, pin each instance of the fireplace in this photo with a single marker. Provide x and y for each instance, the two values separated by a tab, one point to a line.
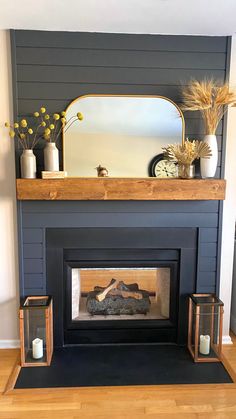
120	285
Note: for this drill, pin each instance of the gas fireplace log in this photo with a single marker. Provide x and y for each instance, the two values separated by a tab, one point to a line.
102	295
125	294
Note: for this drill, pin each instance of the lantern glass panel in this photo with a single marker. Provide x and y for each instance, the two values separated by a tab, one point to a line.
35	328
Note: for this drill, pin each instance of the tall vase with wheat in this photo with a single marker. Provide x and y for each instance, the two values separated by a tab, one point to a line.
212	100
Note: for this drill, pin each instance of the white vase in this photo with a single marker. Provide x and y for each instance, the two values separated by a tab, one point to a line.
28	164
51	158
208	166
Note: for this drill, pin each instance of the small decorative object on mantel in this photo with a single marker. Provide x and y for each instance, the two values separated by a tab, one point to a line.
205	325
27	139
47	127
54	124
162	168
54	175
185	154
101	171
211	98
36	331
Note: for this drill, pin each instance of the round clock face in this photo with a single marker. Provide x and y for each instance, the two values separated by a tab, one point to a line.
159	167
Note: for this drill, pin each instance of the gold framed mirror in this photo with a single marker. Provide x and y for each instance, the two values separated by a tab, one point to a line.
122	133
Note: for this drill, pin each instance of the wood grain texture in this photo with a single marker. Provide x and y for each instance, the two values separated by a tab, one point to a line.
120	189
214	401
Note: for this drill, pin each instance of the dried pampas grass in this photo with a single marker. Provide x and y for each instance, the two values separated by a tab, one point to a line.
187	152
210	99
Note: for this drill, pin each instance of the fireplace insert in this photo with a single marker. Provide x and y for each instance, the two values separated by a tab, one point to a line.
120	285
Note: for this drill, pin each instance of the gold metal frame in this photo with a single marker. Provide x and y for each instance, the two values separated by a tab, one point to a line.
111	95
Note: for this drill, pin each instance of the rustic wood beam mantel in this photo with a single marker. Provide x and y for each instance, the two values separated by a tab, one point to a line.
82	189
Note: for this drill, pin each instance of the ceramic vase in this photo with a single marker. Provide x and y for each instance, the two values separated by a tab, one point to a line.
186	171
51	158
208	166
28	164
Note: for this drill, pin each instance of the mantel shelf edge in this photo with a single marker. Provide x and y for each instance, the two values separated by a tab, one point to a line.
123	189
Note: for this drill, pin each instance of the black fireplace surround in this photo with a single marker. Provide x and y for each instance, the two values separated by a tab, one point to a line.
67	248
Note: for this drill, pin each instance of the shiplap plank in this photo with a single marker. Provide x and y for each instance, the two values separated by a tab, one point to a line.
63	93
209	235
120	207
112	75
33	251
39	39
120	220
207	264
206	279
32	235
208	249
34	281
113	58
206	289
35	291
33	266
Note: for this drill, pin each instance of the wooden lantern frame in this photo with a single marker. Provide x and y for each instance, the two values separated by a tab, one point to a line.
48	308
216	348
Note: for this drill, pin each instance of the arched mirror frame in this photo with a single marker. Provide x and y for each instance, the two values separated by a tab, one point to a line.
117	95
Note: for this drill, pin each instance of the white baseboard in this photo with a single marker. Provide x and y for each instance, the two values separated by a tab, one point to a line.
226	340
9	344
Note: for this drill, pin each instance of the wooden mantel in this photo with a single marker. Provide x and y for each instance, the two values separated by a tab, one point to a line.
82	189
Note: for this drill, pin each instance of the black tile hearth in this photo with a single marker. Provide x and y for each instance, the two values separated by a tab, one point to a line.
119	365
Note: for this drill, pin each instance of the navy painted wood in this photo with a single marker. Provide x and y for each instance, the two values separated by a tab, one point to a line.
33	235
118	206
52	68
120	220
113	58
39	39
33	251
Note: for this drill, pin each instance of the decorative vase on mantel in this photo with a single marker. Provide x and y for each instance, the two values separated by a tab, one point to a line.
28	164
186	171
208	165
51	157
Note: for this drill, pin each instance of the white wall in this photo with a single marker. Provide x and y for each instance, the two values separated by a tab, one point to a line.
229	214
8	241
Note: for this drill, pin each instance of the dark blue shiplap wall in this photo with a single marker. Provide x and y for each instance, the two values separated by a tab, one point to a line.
53	68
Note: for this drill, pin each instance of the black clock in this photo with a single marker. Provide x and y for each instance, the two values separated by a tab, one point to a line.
162	168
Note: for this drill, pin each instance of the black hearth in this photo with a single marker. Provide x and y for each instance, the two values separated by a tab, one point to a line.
81	260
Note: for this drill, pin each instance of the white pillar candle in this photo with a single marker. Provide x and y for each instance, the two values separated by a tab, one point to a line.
37	348
204	345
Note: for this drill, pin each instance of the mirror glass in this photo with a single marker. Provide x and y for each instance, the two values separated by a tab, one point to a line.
121	133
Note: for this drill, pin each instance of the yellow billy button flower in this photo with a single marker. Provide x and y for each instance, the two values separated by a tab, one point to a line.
63	113
42	110
23	123
12	134
47	116
56	116
36	114
7	125
47	132
16	125
63	121
80	116
22	136
52	126
43	124
30	131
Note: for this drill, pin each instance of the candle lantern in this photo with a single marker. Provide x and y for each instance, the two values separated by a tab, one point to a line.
36	331
205	327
